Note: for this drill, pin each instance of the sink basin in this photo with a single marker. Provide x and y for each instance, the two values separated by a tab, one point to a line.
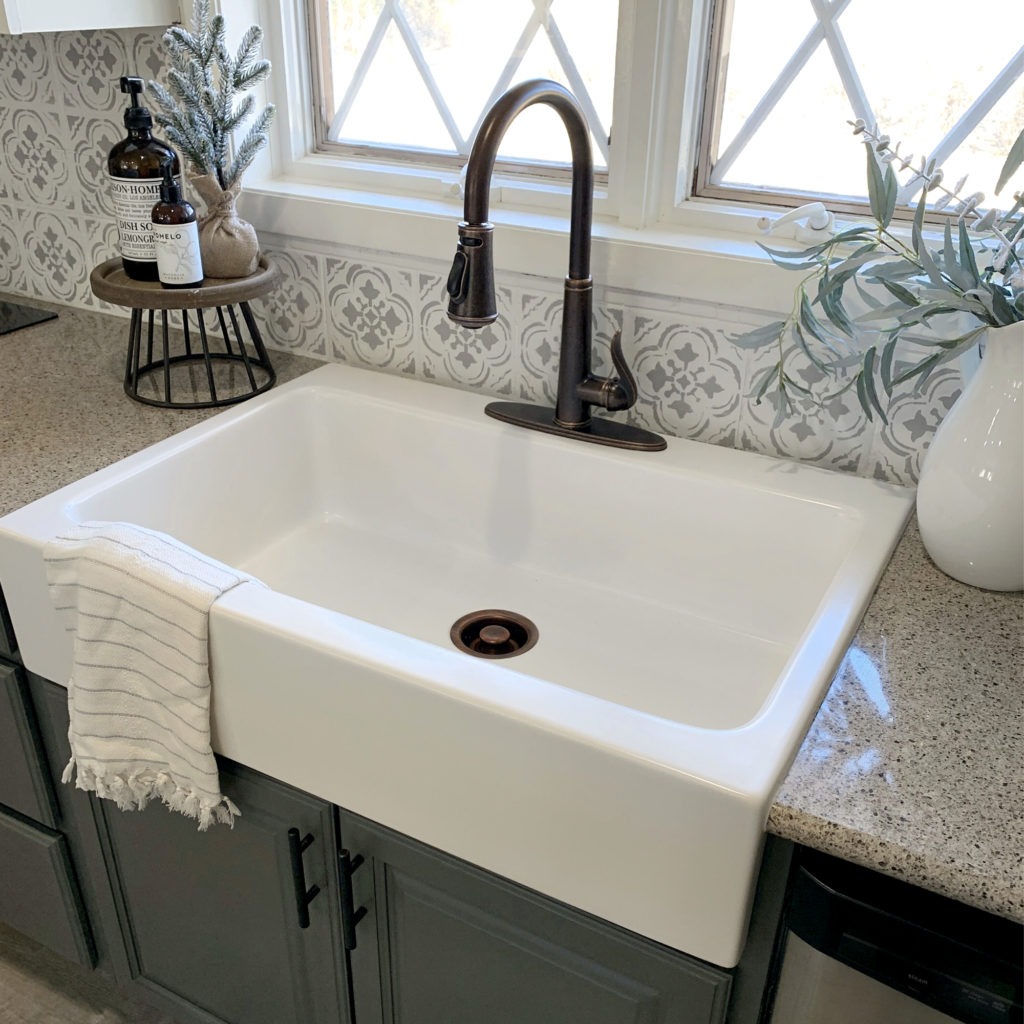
691	606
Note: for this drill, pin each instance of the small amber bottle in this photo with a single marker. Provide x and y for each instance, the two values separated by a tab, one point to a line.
176	236
135	167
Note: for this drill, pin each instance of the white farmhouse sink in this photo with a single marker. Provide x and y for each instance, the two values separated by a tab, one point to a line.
692	607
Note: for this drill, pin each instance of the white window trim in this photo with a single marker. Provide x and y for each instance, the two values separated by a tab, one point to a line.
651	240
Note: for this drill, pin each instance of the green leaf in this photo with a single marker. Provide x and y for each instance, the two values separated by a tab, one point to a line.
891	312
916	231
869	299
802	265
801	341
960	276
923	313
862	396
795	254
907	297
931	267
861	233
1003	310
917	370
867	375
885	364
891	270
831	301
761	336
876	186
810	323
789	382
1013	160
763	384
891	192
845	269
968	260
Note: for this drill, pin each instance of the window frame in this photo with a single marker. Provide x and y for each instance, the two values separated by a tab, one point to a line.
650	233
326	110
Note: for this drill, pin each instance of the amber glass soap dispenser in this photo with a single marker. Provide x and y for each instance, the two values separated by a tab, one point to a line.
135	167
176	236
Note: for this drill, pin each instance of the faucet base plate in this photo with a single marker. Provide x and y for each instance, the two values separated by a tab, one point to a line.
597	431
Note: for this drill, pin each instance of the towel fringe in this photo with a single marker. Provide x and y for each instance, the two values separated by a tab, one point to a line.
131	791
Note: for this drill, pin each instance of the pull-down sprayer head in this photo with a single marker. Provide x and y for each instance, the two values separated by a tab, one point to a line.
471	279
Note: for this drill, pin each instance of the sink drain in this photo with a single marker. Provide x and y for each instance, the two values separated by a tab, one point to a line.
493	633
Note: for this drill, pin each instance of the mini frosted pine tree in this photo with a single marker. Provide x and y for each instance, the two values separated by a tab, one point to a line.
199	113
198	110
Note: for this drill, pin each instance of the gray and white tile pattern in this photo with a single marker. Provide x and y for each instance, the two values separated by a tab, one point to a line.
60	112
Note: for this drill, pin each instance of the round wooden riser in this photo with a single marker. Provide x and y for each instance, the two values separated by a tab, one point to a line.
191	348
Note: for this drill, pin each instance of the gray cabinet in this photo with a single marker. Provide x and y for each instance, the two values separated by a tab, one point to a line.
78	818
208	926
442	942
212	920
39	893
17	16
205	925
24	781
8	645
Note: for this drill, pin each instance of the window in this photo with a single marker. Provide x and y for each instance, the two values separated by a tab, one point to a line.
414	78
411	79
655	232
942	78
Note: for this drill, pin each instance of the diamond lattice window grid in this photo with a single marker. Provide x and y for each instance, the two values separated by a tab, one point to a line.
945	81
419	75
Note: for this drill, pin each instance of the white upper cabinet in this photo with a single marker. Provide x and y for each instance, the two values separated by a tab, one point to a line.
17	16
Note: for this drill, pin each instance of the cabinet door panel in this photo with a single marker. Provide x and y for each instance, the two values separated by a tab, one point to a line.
455	945
77	817
18	16
24	784
211	916
433	979
38	893
8	644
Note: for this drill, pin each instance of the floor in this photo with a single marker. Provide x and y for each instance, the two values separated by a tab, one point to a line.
38	987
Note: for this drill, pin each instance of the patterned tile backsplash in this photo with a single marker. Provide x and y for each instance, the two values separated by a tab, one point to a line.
60	113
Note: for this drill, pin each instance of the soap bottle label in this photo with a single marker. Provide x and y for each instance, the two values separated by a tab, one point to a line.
134	199
177	253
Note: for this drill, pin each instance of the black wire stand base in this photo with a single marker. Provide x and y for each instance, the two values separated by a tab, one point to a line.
216	356
191	348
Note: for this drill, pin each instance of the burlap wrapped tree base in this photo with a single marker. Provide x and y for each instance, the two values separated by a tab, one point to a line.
228	244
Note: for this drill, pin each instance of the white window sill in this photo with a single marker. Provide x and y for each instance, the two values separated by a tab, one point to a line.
695	261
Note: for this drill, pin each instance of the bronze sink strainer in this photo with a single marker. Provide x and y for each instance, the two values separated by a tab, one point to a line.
493	633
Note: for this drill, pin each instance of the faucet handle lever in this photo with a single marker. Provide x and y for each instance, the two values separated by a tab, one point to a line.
611	393
626	382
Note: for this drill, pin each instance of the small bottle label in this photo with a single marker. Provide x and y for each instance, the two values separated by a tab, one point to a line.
134	199
177	253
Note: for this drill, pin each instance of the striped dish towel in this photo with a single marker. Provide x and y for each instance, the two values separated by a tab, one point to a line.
138	603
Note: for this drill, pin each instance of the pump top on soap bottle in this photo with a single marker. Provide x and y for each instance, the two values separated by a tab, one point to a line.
135	168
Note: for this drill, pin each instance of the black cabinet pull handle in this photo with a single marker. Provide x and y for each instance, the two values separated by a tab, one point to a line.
350	916
303	896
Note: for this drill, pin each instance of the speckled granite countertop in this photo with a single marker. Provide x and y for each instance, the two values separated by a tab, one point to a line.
915	763
63	413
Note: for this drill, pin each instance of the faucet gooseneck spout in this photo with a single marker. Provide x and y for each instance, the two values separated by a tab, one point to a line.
471	281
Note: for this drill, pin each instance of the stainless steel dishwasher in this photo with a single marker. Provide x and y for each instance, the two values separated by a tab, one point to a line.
862	948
